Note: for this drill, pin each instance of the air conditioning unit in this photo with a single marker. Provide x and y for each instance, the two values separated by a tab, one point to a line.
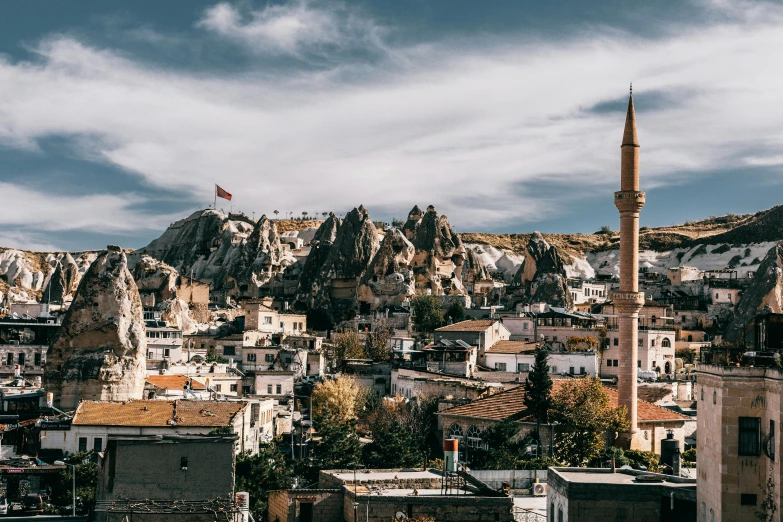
539	490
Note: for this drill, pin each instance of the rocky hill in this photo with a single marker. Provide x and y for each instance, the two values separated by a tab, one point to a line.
353	263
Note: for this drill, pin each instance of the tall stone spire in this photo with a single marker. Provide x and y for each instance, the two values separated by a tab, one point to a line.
629	301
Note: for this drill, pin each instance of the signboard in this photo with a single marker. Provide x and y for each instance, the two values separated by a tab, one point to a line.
14	470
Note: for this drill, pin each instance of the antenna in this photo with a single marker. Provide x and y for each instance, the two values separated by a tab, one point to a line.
631	89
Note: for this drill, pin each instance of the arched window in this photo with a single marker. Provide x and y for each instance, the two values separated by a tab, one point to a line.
667	368
552	512
455	431
474	437
666	343
690	338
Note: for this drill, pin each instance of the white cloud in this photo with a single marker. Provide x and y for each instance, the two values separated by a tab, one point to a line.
24	208
295	28
462	127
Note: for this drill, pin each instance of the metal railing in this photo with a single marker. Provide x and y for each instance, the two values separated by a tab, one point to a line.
525	515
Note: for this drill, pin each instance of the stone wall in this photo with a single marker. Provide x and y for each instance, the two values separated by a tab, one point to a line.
328	480
446	508
285	506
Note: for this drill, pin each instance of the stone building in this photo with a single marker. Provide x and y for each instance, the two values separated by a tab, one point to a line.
420	383
467	422
171	478
95	421
479	333
737	439
599	495
378	495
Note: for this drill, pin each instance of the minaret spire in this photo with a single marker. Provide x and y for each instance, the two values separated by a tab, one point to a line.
628	300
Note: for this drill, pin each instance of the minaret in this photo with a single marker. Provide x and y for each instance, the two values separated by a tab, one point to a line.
628	301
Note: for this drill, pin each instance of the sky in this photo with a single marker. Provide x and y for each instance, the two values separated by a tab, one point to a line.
117	119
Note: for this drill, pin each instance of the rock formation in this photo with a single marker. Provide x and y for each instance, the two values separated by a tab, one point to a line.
64	281
330	277
765	293
389	278
100	350
233	253
542	277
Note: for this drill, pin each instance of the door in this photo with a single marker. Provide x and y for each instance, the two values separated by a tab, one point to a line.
306	512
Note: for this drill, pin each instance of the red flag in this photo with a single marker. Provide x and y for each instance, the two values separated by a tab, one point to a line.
219	192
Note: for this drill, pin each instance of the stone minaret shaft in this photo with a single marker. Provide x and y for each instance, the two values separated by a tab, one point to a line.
628	301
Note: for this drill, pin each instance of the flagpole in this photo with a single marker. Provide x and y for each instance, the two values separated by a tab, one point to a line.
214	206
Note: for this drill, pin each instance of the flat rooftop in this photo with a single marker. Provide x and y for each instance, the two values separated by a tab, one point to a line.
385	475
622	477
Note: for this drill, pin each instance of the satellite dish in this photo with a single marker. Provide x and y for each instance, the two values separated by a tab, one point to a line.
400	516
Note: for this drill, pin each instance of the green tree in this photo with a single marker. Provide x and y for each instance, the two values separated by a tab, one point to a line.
393	446
339	447
376	346
86	481
259	474
455	312
504	449
348	345
538	386
583	416
428	313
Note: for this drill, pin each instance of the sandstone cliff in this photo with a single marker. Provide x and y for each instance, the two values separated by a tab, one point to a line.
389	278
765	293
100	351
330	277
542	275
64	281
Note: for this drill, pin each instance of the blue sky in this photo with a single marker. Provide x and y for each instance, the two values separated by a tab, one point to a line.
118	118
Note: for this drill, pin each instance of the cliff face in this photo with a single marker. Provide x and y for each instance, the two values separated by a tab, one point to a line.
333	268
765	293
542	276
64	281
100	351
389	278
235	254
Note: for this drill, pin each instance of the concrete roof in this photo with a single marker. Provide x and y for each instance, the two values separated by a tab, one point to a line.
467	326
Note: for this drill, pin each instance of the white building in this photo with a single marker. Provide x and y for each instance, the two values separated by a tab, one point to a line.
520	328
274	382
164	344
94	421
519	356
588	292
656	350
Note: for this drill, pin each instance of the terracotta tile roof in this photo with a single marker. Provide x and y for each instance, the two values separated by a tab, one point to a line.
157	413
174	382
510	404
467	326
512	347
653	393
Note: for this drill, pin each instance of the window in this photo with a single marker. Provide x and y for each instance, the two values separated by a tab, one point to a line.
749	438
552	512
455	431
638	364
474	437
524	326
666	343
652	342
559	514
616	341
716	295
702	394
229	350
640	343
82	444
571	370
37	359
166	352
149	354
270	357
278	389
616	362
269	389
500	366
183	463
267	320
21	359
554	369
287	360
523	367
714	397
608	362
97	444
771	448
746	499
554	338
251	357
246	390
9	359
218	387
233	387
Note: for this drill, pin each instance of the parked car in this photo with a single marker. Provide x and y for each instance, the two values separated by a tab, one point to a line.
5	507
32	504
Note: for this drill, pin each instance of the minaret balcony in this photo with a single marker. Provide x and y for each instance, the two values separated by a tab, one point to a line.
629	200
